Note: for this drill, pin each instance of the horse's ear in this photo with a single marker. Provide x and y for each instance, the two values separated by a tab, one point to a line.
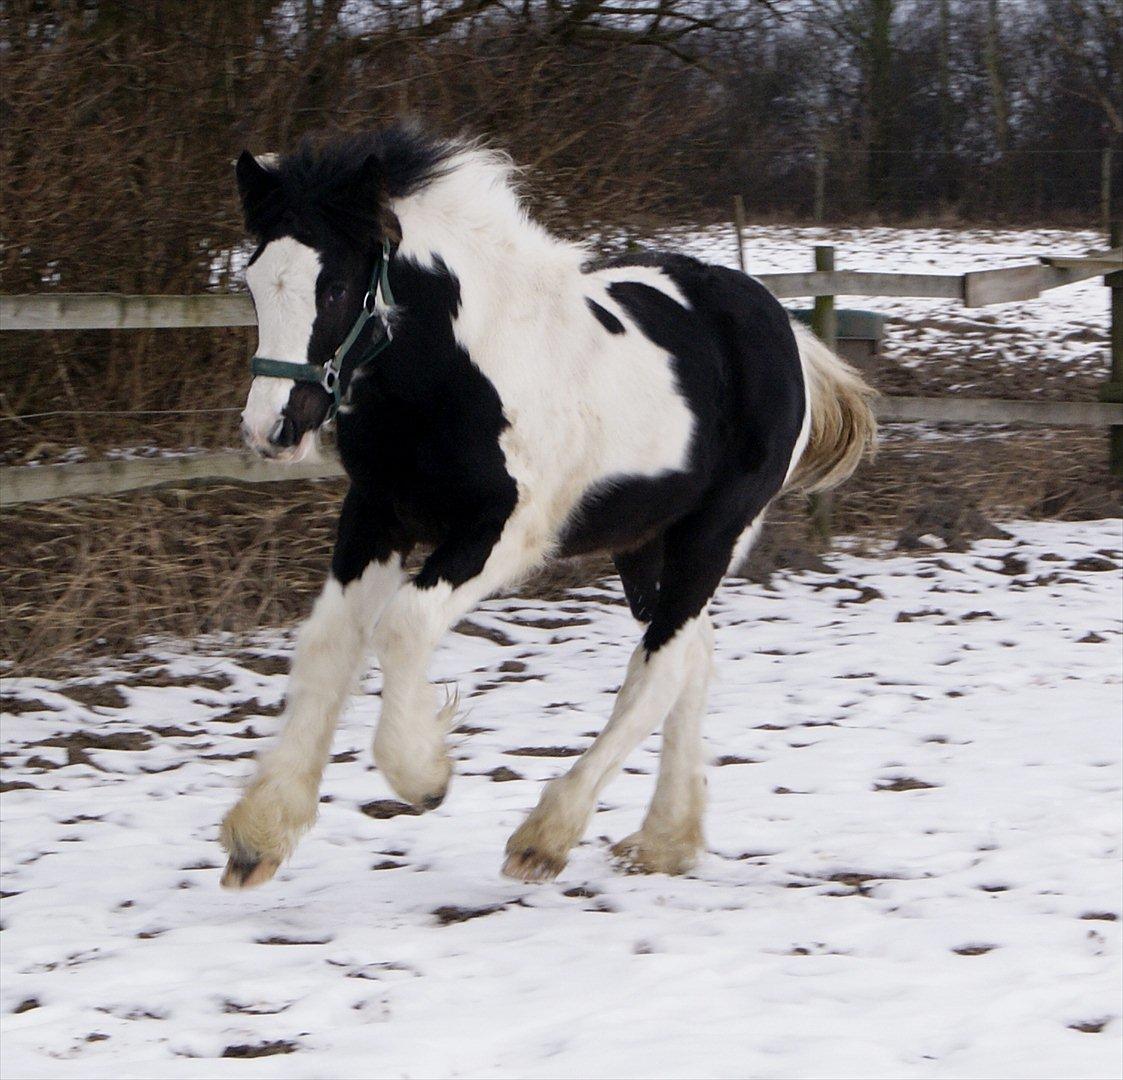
362	196
256	184
365	188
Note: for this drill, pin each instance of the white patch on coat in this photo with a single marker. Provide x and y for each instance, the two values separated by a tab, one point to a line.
282	281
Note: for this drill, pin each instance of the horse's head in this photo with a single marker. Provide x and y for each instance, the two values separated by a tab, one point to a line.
319	225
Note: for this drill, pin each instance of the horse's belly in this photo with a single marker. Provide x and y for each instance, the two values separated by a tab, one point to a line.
621	513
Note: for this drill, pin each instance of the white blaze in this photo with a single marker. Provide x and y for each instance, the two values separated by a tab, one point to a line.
283	282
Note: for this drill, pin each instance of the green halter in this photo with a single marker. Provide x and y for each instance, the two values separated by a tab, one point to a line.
330	375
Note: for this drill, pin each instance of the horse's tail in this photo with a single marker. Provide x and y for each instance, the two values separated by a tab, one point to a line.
842	424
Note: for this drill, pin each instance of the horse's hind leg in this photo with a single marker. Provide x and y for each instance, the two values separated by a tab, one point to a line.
671	838
696	554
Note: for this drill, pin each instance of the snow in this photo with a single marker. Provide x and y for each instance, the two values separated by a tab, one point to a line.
845	921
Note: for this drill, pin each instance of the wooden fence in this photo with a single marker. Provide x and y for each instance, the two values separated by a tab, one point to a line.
61	311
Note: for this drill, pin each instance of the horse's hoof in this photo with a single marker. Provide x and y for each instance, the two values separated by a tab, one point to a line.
248	873
431	802
531	865
636	854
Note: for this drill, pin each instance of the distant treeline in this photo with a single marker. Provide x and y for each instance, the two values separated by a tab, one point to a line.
120	117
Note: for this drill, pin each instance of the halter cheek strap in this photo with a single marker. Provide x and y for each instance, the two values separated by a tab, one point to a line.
337	374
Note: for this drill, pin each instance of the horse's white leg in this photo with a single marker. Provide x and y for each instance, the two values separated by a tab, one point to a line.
410	744
262	829
539	848
670	838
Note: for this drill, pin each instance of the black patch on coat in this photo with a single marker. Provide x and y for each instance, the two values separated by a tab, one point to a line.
422	434
609	321
639	572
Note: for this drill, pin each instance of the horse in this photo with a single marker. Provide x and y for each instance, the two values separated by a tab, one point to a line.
502	398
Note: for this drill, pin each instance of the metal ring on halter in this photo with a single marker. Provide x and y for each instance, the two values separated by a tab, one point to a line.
369	302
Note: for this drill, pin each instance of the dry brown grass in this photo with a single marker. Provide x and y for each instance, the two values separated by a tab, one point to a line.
86	580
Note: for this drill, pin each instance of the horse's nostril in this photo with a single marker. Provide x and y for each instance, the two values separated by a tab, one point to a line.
283	433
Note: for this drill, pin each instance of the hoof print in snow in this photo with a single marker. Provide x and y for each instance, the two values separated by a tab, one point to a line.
1091	638
1105	916
252	1010
581	892
974	950
265	1049
502	775
904	783
733	759
389	808
857	884
1090	1027
544	751
449	914
922	613
26	1005
293	941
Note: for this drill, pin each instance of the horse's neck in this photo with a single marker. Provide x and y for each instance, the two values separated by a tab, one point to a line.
471	220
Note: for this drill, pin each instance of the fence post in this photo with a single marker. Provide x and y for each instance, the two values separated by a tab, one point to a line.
1113	389
824	322
739	227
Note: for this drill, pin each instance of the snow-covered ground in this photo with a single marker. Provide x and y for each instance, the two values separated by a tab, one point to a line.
912	869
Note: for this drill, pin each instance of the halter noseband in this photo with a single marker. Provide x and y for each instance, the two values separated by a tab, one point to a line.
330	375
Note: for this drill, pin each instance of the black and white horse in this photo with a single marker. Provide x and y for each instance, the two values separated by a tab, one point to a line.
506	399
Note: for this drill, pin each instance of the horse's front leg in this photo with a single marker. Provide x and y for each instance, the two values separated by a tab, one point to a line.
410	745
282	799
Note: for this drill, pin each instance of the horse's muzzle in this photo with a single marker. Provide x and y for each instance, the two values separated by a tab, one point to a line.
282	442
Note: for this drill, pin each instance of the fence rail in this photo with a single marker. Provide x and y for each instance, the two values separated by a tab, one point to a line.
26	484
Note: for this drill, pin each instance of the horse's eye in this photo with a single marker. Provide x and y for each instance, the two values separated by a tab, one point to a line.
334	294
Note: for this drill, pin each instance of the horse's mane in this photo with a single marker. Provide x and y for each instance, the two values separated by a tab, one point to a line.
325	177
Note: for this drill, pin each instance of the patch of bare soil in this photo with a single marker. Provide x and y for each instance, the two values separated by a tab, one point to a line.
14	706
